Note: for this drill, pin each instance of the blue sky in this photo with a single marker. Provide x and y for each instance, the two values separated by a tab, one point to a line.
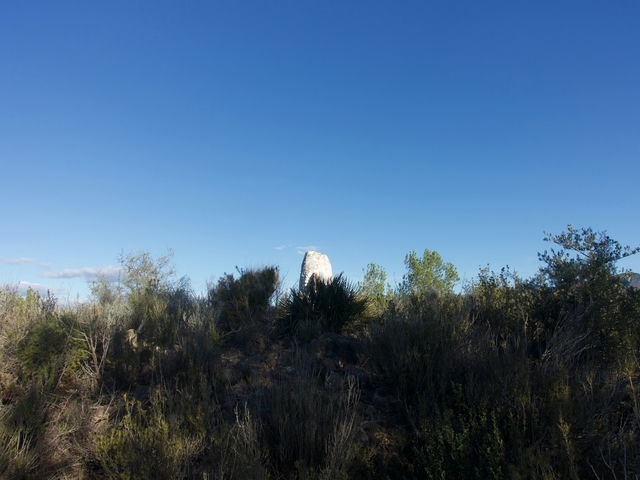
241	133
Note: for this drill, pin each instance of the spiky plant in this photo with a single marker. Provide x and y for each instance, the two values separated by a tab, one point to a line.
321	307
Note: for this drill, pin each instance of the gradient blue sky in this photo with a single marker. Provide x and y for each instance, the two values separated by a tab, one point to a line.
244	132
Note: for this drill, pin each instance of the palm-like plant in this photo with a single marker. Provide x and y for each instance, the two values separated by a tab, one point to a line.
321	307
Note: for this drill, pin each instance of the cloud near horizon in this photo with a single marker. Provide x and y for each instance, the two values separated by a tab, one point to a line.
16	261
111	273
299	250
305	249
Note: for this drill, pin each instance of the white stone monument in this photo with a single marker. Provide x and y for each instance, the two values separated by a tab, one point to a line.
315	263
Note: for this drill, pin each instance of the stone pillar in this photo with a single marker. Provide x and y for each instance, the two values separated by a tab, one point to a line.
315	263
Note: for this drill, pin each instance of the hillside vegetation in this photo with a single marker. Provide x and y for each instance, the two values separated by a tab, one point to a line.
513	378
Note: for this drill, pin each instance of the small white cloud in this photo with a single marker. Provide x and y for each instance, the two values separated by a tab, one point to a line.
301	250
89	273
305	249
16	261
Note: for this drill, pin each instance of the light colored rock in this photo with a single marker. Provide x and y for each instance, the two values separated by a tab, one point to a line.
315	263
132	338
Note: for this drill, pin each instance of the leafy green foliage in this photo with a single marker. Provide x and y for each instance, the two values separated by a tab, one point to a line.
143	273
106	292
18	313
502	304
588	294
375	288
49	350
149	304
42	348
466	446
428	273
595	255
151	320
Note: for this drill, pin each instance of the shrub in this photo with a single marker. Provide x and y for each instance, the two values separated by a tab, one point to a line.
22	424
462	446
49	350
589	297
240	454
96	326
17	315
375	289
43	348
146	443
310	432
322	307
245	300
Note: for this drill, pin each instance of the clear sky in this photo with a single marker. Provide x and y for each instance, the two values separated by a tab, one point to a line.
241	133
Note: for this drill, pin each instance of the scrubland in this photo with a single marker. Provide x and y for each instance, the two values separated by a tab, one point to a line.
510	378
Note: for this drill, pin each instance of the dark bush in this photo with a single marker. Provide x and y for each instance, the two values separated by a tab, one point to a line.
322	307
242	301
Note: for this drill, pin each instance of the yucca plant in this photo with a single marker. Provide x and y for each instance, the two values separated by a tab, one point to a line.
322	307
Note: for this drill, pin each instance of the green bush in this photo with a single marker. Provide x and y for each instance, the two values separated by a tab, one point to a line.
49	350
146	443
462	446
17	316
43	348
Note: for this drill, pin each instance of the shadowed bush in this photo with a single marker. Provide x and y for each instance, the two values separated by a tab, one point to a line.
245	300
311	433
322	307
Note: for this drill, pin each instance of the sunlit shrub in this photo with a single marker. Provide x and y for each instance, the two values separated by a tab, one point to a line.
17	315
146	443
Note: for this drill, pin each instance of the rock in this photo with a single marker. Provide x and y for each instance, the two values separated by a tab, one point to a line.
315	263
132	338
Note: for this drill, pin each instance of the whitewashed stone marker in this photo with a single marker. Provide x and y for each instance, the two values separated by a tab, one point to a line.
315	263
